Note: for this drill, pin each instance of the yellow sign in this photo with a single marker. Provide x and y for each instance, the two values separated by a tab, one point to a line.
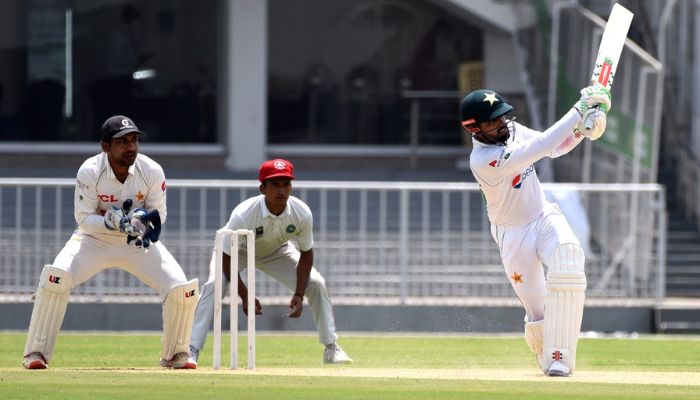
470	76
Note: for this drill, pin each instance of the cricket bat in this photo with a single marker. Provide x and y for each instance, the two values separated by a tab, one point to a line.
610	49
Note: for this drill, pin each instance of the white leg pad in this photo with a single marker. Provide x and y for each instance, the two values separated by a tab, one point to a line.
534	337
49	309
566	286
178	313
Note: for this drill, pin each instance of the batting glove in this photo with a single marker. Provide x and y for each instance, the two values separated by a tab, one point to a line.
591	96
596	119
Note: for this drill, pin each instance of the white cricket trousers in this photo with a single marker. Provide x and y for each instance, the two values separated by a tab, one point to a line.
280	265
522	251
84	256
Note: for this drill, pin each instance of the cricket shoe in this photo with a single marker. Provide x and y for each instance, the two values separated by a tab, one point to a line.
179	361
558	369
34	361
194	354
334	354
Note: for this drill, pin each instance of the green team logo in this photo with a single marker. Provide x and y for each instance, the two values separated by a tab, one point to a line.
291	228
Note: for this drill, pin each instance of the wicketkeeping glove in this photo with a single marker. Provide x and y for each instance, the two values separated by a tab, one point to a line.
592	96
116	220
146	226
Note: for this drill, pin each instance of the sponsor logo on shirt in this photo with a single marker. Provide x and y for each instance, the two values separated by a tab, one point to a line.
497	163
517	182
258	232
162	187
291	228
82	186
107	198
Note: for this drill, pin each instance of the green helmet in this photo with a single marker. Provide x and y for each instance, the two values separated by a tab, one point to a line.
481	106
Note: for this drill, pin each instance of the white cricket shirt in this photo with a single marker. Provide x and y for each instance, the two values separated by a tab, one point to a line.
97	189
273	231
507	176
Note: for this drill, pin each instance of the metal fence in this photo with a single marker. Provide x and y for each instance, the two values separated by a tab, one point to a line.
376	242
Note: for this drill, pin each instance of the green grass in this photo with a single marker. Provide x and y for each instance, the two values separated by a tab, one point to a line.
125	366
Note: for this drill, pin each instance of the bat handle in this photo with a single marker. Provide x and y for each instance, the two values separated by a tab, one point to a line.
588	123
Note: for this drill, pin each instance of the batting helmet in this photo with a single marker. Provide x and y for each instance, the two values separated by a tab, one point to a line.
481	106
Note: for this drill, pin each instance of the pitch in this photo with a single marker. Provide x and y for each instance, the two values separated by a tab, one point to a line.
124	365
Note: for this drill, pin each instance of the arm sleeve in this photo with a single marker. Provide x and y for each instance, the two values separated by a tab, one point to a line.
569	143
85	205
494	165
306	237
157	194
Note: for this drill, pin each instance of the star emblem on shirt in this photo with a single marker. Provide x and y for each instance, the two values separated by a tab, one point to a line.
517	278
139	196
491	98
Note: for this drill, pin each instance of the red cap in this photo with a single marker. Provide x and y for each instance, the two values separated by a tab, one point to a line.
276	168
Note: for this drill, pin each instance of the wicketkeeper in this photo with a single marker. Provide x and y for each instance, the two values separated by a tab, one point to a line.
529	231
120	198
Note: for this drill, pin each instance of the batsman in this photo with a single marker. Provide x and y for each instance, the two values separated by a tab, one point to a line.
532	234
119	207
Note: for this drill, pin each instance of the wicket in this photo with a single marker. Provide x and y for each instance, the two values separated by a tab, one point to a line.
233	293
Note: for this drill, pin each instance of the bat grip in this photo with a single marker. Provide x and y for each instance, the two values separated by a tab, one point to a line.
588	123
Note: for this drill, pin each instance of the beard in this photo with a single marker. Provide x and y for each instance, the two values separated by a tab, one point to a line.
501	136
127	159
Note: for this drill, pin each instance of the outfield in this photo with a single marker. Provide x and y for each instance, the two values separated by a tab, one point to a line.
124	366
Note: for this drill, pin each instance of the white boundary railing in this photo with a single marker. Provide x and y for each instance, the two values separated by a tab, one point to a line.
376	242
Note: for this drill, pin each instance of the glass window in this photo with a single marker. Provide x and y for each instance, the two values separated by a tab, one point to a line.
70	64
337	69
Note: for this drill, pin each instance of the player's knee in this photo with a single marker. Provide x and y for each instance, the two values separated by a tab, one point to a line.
565	268
56	280
568	257
315	285
186	292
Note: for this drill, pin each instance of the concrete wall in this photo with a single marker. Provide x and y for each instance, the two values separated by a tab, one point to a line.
453	319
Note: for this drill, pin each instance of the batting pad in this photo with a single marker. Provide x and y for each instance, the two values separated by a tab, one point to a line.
534	337
566	285
49	309
178	313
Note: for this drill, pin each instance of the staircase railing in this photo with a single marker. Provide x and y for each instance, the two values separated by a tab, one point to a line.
689	185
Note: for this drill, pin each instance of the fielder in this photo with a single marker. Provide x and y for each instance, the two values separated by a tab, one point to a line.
529	231
276	217
111	234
